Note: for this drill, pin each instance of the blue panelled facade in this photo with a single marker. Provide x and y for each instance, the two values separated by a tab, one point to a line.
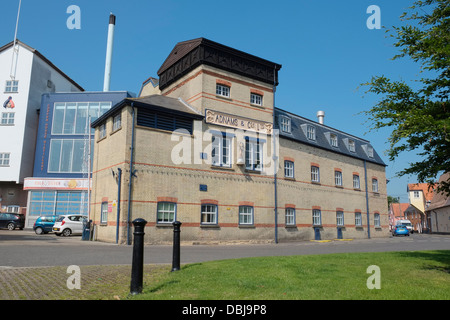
60	179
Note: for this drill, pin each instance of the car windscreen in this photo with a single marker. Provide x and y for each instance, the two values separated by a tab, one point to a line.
60	219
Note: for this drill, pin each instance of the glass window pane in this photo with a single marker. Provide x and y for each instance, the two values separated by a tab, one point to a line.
58	118
66	156
78	156
104	106
81	119
55	155
69	119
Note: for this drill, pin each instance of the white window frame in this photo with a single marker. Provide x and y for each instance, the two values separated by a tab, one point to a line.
104	213
376	220
374	185
163	214
256	99
8	118
221	149
340	218
356	182
72	158
285	124
370	152
288	169
254	154
317	217
358	219
311	132
12	86
102	131
338	178
117	122
315	174
208	213
12	209
5	158
352	145
245	215
222	90
290	217
334	140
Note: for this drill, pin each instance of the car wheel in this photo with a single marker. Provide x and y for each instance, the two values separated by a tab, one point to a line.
11	226
39	230
66	232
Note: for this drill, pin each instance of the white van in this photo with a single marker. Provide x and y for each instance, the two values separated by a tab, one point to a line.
407	224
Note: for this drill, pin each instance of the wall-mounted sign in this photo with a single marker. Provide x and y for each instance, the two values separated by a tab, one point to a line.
232	121
55	184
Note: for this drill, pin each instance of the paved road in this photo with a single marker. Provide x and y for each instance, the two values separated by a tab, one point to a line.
26	249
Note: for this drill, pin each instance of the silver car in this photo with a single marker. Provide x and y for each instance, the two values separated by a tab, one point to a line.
69	224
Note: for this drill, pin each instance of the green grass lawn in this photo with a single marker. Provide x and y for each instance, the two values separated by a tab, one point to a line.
404	275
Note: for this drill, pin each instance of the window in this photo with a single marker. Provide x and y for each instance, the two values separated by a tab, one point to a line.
358	219
285	124
315	175
12	86
49	203
4	159
416	194
311	132
351	145
117	122
253	154
222	90
102	131
163	120
12	209
334	140
209	214
245	215
288	169
339	218
356	184
317	217
166	212
7	118
374	185
69	155
221	150
290	216
73	118
338	178
256	99
376	220
104	214
370	152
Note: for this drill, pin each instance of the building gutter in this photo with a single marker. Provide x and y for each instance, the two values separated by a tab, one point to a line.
275	162
118	203
367	200
130	182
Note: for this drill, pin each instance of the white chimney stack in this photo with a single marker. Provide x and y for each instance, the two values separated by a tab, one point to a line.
109	47
320	116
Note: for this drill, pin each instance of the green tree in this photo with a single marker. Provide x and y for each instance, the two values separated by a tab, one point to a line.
420	117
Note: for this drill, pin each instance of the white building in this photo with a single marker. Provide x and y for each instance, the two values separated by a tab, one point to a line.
25	74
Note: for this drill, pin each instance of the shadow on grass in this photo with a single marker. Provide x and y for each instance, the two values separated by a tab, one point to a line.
440	256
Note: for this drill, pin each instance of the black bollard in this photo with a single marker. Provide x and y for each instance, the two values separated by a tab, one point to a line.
137	268
176	246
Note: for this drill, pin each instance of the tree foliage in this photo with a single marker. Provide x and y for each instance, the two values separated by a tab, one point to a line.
419	117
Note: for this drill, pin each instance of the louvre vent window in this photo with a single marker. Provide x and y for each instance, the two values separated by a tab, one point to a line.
163	121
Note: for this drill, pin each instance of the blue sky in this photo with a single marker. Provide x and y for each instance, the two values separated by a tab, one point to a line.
324	46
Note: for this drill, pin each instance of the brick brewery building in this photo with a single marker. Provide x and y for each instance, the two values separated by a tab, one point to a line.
208	148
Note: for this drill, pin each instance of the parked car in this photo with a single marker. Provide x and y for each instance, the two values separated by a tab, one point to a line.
69	224
400	230
11	221
44	224
407	224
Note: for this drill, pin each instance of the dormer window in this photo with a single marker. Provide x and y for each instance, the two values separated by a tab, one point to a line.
285	124
370	152
351	145
311	132
334	140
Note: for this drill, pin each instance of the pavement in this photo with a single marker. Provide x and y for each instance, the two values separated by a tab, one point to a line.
36	268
